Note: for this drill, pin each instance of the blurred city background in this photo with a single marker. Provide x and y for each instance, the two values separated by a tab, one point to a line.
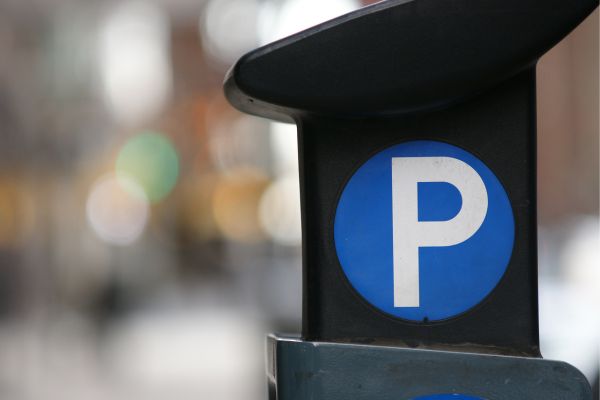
149	233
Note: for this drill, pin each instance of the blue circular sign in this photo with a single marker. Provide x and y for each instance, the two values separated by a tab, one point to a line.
447	397
424	231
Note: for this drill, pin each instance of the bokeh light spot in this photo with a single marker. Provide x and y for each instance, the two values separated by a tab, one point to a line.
16	213
152	161
235	204
117	209
279	211
134	61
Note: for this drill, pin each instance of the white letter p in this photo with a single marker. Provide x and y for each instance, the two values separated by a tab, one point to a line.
409	234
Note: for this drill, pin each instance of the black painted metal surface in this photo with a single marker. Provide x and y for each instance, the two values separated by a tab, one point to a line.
400	56
499	128
456	71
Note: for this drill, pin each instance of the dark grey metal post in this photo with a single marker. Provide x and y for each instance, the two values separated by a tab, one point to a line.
412	289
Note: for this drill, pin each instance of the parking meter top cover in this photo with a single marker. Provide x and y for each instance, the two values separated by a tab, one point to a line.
400	56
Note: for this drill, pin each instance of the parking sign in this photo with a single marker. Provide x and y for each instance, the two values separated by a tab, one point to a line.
424	231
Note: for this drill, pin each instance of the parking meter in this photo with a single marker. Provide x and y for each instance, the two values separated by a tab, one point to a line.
417	151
